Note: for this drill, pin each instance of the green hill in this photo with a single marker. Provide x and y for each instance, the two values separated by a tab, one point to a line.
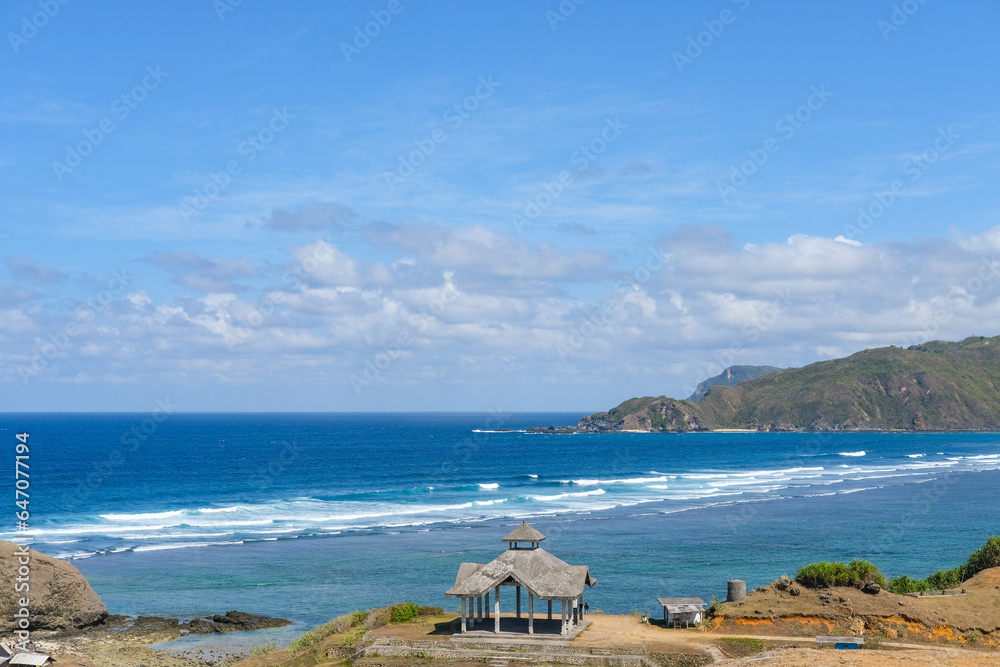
730	377
937	386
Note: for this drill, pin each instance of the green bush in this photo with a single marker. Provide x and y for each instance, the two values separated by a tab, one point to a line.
983	558
403	612
261	650
865	571
824	575
904	584
944	579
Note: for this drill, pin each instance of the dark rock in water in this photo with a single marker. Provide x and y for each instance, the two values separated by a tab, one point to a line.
61	598
795	591
872	588
199	626
233	621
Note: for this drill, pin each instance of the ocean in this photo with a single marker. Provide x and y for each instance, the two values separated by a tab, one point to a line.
308	516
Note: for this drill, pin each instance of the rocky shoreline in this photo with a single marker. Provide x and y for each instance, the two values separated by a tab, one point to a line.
121	641
69	621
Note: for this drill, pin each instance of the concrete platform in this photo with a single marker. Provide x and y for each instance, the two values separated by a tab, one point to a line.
517	628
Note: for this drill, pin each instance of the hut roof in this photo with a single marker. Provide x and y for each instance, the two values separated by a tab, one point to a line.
523	533
682	605
30	659
540	572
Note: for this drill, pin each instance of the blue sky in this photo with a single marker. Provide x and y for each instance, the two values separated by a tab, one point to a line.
516	206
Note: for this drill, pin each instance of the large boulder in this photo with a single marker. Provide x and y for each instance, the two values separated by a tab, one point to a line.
871	587
59	596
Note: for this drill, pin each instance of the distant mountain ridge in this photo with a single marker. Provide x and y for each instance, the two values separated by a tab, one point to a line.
937	386
730	377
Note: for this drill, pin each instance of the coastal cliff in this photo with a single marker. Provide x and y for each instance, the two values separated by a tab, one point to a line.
730	377
937	386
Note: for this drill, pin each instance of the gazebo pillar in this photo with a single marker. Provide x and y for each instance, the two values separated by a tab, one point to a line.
550	610
496	608
562	618
531	613
463	615
519	601
582	606
479	608
487	605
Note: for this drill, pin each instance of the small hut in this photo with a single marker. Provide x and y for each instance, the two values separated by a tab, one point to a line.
682	610
12	654
543	575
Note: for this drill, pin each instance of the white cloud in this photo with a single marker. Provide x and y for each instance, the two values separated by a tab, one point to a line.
441	306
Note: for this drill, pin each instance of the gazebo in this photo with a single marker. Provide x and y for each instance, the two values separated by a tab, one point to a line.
531	567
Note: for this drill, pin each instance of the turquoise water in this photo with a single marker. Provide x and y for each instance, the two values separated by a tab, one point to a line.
309	516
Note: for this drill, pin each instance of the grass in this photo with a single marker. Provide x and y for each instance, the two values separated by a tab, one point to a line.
742	647
261	650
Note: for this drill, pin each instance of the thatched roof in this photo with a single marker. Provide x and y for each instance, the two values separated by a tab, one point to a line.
523	533
547	577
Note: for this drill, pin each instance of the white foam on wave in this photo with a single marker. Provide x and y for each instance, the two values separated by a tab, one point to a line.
629	480
861	453
184	545
493	485
915	456
234	508
846	491
560	496
490	502
144	516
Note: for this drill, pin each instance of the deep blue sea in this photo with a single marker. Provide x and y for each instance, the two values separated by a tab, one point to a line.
307	516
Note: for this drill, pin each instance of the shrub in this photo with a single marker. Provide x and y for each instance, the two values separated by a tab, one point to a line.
261	650
403	612
341	624
943	579
823	574
430	611
305	641
376	618
353	638
904	584
983	558
865	571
